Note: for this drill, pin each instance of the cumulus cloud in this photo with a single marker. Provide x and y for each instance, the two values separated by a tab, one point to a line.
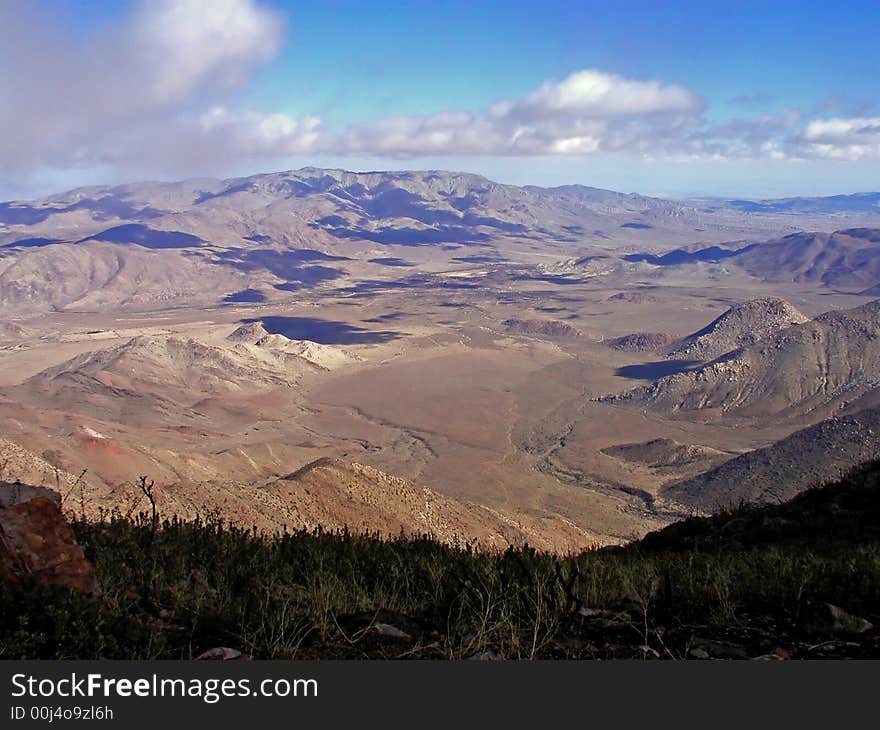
158	91
77	101
587	112
592	93
181	45
840	138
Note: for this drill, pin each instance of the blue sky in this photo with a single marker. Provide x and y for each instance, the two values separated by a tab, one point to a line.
675	98
421	57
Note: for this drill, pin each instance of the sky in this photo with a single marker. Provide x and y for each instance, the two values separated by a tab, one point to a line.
710	98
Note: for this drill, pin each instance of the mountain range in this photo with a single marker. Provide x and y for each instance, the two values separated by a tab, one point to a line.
153	245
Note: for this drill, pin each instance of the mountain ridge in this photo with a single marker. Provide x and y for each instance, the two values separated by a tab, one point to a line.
815	366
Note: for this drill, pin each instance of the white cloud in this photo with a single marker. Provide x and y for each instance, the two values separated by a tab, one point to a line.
592	93
841	138
157	92
79	102
184	44
585	113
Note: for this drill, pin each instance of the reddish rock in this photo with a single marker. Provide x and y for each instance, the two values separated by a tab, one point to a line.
37	543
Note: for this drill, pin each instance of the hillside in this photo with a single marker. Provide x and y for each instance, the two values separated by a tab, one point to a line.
776	473
334	495
155	378
740	326
824	516
642	341
697	589
810	368
844	260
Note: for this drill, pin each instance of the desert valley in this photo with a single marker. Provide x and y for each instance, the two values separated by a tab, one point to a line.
435	352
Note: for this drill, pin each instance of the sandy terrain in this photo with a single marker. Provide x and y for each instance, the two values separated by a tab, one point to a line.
424	382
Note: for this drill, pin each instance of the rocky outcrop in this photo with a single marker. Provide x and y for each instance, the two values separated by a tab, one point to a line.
38	544
740	326
642	341
539	328
663	453
812	368
326	357
248	333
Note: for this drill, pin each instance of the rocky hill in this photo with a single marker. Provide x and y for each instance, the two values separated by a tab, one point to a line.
810	368
248	333
776	473
642	342
157	377
540	328
664	454
740	326
326	357
334	495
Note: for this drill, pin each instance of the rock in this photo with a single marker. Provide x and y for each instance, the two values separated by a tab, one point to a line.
37	543
720	649
826	618
391	632
698	654
220	653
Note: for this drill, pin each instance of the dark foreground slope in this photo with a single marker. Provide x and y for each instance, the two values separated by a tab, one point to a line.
797	580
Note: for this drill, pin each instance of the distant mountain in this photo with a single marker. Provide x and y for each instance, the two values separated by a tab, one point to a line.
739	326
814	367
257	238
848	259
809	457
828	205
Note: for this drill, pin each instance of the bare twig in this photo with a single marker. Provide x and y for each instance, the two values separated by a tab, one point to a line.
147	489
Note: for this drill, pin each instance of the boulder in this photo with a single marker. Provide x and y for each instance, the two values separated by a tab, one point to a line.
826	619
221	653
37	543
